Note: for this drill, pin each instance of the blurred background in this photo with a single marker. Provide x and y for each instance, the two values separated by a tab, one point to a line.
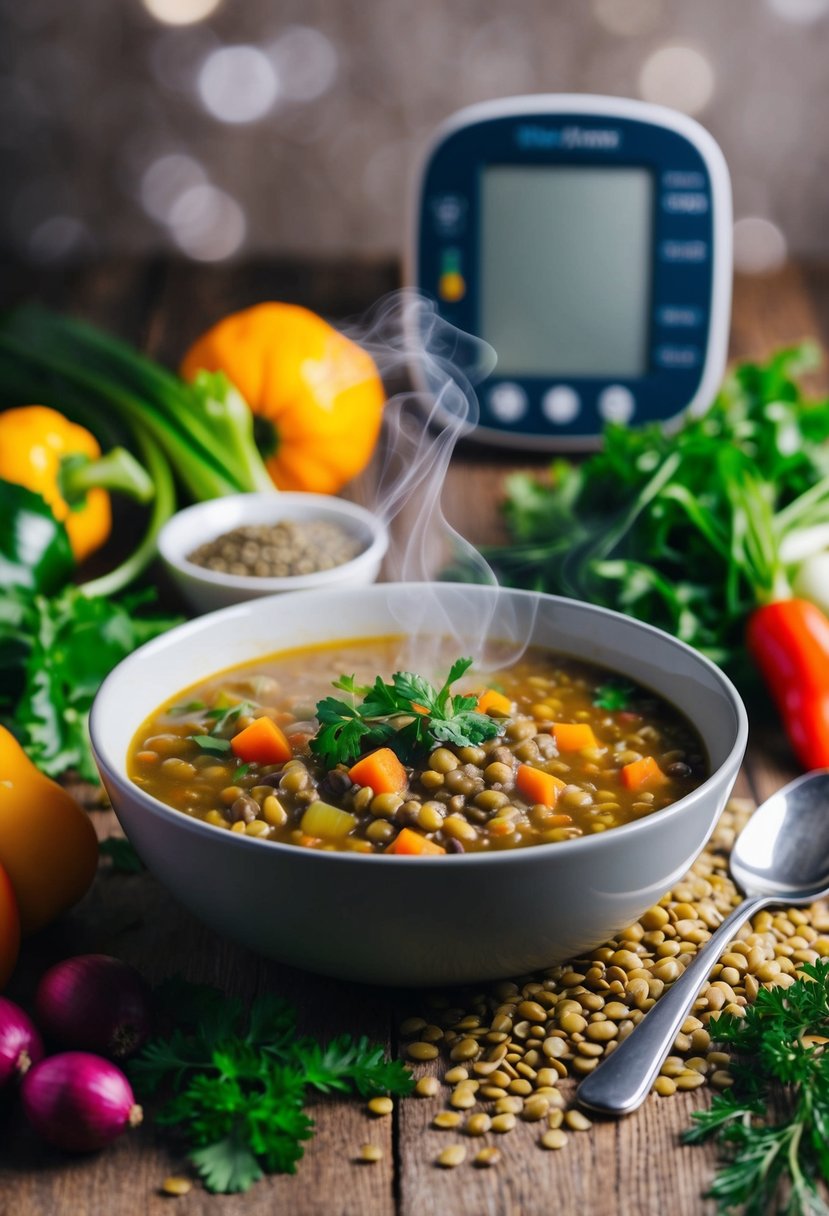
223	129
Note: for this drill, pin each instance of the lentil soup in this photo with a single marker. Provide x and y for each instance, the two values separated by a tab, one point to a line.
575	750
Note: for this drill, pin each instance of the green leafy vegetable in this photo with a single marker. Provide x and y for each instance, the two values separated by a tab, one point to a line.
35	553
240	1081
123	856
408	715
54	653
689	530
773	1124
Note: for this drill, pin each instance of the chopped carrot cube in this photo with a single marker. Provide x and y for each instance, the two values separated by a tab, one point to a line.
412	843
642	772
538	786
494	703
573	736
263	742
381	771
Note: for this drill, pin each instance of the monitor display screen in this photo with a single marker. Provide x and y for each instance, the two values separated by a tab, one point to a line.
566	268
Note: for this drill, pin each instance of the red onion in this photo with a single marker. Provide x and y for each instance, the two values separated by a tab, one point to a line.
94	1003
78	1102
20	1043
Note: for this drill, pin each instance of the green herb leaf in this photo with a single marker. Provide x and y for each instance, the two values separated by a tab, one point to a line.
190	707
55	654
123	856
614	695
239	1082
409	715
212	744
240	772
683	530
772	1124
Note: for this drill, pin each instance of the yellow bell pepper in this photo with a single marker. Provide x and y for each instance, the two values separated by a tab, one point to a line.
48	846
317	397
61	461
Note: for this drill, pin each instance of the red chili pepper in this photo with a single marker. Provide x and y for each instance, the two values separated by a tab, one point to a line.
789	642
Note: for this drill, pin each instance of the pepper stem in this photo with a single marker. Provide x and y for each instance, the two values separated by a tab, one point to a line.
118	471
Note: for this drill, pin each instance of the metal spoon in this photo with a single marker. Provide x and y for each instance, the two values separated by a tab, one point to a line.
780	857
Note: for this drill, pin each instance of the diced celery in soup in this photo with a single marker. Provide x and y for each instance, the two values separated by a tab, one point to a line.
544	750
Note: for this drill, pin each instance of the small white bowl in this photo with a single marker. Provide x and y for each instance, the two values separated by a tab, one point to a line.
205	589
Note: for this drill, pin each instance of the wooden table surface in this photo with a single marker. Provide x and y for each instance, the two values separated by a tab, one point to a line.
621	1168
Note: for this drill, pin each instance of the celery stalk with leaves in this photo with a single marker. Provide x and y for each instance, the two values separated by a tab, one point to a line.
204	429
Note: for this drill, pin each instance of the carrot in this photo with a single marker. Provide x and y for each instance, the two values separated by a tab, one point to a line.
409	843
573	736
642	772
263	742
538	786
494	703
381	771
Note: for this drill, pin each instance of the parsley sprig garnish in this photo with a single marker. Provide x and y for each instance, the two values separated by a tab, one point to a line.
430	716
613	695
773	1124
240	1081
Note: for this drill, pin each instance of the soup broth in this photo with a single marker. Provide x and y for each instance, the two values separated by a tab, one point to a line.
578	750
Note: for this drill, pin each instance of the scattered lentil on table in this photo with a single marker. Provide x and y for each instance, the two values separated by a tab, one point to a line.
279	550
534	1037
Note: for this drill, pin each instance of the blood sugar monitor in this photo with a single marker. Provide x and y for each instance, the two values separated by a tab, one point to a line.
587	240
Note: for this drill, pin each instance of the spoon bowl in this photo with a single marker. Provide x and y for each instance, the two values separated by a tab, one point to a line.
780	857
783	851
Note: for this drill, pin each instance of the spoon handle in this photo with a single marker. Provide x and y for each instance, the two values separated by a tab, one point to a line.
622	1082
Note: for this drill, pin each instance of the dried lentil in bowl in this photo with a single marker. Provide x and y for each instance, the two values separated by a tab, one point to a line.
279	550
565	726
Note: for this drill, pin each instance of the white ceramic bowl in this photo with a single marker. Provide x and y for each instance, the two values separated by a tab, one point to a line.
204	590
418	920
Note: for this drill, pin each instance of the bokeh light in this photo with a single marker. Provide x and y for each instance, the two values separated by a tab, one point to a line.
164	182
306	63
678	76
628	17
207	224
801	12
180	12
59	238
759	245
238	84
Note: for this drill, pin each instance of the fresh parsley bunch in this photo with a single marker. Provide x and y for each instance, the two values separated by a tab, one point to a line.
773	1124
429	716
240	1081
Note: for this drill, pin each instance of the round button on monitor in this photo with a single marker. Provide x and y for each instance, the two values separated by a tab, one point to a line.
561	404
507	402
587	241
616	404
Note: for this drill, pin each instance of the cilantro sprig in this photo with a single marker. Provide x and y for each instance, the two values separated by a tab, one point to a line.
409	715
773	1124
240	1081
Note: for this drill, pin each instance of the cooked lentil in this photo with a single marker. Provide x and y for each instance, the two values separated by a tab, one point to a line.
279	550
463	799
